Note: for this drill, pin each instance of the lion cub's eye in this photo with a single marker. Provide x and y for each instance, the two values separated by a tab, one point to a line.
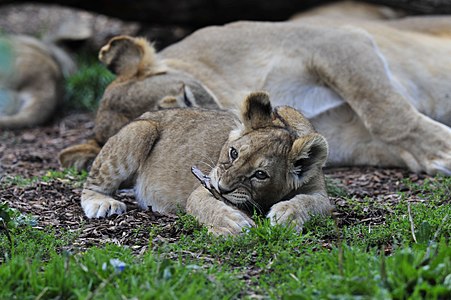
261	175
233	153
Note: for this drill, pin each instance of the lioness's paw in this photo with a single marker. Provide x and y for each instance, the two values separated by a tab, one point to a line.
428	148
103	208
230	221
285	213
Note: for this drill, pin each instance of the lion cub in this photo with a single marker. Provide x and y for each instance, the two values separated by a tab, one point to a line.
271	164
134	62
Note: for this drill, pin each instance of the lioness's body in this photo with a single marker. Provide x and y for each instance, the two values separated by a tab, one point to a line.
280	58
378	91
276	170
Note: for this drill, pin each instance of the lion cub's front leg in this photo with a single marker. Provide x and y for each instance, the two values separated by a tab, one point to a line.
299	209
220	218
117	162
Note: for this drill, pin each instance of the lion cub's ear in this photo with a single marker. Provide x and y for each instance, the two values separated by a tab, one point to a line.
185	98
308	152
128	56
256	111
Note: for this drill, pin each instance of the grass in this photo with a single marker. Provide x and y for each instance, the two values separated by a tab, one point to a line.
85	88
323	262
69	175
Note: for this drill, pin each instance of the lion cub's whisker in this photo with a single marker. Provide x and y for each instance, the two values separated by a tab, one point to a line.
209	159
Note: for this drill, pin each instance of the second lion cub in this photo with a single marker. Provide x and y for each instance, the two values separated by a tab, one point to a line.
270	163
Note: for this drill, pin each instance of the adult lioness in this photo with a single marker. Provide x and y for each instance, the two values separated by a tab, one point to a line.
271	164
378	91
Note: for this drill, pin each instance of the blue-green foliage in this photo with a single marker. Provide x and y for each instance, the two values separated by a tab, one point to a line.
85	88
6	56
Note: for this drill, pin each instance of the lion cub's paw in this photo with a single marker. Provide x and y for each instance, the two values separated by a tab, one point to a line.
230	221
103	208
96	205
285	213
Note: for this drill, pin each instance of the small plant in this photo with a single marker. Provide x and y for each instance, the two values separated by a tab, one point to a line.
335	188
85	88
6	217
69	175
187	223
10	219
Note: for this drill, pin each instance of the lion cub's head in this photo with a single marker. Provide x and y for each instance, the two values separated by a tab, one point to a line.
275	155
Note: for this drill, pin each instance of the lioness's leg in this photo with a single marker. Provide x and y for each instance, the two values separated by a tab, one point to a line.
357	71
117	162
351	144
220	218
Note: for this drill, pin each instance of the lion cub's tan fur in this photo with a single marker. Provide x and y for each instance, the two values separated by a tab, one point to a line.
134	62
275	168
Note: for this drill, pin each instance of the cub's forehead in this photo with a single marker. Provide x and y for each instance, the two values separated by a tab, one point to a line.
264	141
264	134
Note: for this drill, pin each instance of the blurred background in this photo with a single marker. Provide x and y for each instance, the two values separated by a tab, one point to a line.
80	28
165	22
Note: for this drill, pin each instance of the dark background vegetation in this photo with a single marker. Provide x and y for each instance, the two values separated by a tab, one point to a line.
198	13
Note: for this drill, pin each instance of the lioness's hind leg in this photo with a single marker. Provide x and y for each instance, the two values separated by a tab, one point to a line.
117	162
360	74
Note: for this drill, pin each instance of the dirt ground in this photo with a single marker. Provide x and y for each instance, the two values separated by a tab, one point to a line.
55	204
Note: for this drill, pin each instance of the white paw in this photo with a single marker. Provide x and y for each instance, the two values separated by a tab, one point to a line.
230	221
103	208
285	213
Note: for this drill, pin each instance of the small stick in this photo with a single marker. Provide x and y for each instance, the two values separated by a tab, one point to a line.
205	180
412	225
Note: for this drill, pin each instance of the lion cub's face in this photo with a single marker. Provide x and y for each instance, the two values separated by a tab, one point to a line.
268	160
251	169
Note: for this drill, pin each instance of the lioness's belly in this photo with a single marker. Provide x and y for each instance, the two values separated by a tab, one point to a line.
311	100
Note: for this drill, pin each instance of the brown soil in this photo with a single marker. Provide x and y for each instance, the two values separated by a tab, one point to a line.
55	204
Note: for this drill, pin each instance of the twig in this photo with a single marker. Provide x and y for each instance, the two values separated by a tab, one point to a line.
42	293
369	219
205	180
412	225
